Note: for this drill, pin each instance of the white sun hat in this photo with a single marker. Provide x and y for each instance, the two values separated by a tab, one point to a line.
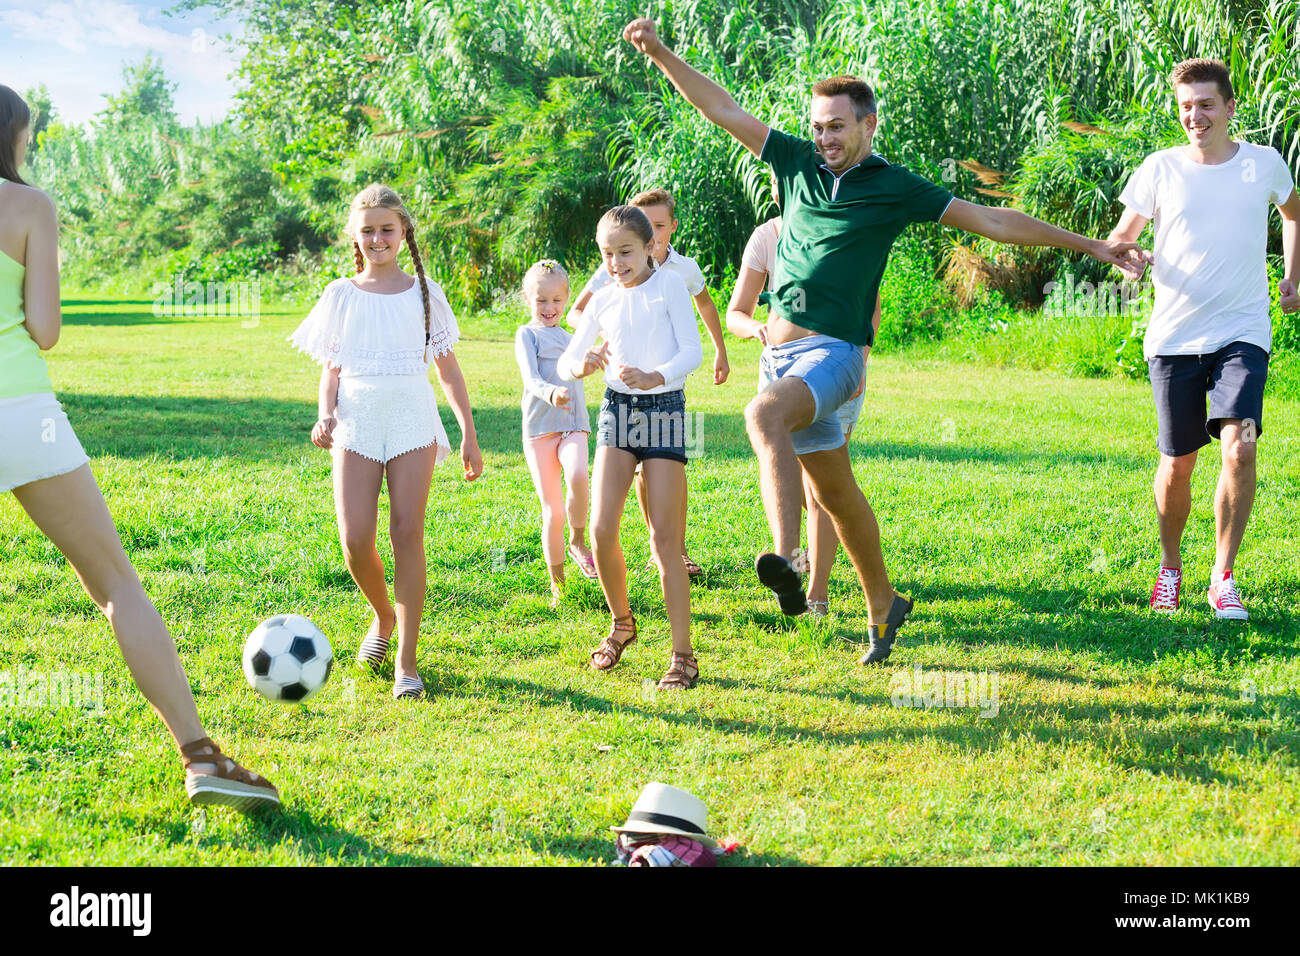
664	809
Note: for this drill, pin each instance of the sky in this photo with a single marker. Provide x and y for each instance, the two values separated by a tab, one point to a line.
77	49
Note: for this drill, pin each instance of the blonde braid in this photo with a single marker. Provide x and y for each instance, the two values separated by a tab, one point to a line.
424	286
357	257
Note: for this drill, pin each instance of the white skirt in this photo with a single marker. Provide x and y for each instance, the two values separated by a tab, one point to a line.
36	441
383	416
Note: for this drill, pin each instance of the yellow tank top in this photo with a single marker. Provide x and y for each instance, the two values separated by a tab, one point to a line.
22	367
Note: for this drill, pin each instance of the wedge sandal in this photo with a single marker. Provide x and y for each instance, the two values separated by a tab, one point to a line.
229	785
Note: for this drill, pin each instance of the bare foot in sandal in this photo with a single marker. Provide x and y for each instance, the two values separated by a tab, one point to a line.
212	778
683	672
611	648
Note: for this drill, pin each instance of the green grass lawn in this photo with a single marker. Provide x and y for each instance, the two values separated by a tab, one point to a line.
1015	507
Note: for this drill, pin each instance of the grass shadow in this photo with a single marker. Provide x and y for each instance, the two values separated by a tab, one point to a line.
79	303
320	841
139	426
1108	622
121	318
1181	753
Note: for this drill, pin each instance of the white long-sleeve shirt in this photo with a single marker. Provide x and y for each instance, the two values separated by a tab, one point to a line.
650	326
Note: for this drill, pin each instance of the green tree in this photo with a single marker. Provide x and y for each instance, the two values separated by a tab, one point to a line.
42	107
146	94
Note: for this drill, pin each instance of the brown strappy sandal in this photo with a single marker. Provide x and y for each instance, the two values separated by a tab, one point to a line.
612	649
229	785
683	672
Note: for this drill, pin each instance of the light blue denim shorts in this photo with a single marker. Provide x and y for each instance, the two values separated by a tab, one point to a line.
832	370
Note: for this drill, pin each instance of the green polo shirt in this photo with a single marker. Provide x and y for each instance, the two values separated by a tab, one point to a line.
836	234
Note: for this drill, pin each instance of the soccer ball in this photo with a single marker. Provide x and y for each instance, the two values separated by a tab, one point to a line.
287	658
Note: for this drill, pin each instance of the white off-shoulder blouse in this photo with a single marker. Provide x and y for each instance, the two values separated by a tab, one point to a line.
369	333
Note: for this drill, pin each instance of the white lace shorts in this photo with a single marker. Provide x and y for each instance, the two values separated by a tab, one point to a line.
383	416
36	441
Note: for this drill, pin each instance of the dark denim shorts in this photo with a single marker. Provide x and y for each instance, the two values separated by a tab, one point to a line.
647	426
1231	379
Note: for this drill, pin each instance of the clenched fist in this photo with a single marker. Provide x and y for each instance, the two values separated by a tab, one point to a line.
641	34
1288	299
322	433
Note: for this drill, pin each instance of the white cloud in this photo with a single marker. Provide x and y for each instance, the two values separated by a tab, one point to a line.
55	23
68	44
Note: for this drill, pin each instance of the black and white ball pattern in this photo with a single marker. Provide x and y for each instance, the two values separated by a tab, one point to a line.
287	658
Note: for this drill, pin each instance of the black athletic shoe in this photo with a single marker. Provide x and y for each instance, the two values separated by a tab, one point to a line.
882	645
779	574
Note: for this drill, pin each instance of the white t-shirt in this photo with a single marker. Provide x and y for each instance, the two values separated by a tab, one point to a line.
684	266
1211	234
650	326
760	251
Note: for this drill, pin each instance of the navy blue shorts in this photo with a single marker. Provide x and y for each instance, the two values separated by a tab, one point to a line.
647	426
1232	379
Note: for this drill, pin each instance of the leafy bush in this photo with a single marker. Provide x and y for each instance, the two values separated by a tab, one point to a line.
1074	178
915	306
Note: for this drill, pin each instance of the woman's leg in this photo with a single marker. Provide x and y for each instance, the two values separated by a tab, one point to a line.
666	487
542	455
409	478
356	503
70	511
611	479
822	544
577	500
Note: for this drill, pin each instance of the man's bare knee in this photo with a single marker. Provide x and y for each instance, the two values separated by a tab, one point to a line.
1239	454
832	480
784	406
1175	469
762	415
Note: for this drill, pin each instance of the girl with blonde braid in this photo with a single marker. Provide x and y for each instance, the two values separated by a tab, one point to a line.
374	333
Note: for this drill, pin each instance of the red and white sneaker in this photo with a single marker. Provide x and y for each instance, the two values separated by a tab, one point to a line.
1225	600
1164	596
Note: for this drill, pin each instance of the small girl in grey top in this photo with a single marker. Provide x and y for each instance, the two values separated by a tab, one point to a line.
555	423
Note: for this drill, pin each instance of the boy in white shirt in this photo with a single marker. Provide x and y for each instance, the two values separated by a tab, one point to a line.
660	208
1210	332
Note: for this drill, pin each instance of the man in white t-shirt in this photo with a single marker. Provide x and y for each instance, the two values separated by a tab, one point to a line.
1210	333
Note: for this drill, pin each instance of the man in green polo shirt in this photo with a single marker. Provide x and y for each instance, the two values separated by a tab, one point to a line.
842	209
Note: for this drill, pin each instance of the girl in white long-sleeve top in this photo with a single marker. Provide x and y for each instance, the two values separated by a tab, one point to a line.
555	423
651	344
